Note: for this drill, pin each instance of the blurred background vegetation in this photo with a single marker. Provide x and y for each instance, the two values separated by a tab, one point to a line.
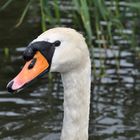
97	18
104	23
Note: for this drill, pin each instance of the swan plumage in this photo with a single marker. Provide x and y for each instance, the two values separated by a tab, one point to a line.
71	58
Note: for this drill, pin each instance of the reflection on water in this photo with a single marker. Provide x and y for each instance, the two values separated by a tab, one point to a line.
37	112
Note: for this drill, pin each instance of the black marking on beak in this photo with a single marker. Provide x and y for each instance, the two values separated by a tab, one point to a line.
32	48
9	86
29	53
45	48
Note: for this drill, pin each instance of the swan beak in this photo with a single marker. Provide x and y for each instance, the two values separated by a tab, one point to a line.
31	70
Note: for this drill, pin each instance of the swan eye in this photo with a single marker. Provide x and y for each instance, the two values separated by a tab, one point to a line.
57	43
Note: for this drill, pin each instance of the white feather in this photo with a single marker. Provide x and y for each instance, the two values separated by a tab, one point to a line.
72	60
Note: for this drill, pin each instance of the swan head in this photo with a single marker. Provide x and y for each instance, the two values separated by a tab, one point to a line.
56	50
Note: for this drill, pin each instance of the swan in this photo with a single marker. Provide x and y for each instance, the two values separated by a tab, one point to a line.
62	50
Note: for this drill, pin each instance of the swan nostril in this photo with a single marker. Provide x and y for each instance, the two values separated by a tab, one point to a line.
31	65
9	86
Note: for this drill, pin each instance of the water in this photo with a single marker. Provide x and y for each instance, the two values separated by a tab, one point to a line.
37	112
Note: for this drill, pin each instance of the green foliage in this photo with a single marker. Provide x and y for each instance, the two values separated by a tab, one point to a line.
6	4
24	13
100	21
82	9
135	5
87	14
43	15
6	52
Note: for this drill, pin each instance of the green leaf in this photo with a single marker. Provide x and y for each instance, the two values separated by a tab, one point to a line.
133	5
6	4
43	16
23	14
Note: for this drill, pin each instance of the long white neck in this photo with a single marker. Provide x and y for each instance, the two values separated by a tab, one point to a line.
76	103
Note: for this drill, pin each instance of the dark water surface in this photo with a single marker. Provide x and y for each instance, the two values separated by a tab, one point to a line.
37	112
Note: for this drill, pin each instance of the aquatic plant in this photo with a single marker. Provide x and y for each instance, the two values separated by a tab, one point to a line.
99	20
97	17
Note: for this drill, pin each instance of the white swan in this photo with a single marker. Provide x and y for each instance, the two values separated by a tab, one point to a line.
68	54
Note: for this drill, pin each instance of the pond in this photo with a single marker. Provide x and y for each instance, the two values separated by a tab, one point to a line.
37	111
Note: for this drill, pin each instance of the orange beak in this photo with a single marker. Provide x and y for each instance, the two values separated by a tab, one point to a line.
31	70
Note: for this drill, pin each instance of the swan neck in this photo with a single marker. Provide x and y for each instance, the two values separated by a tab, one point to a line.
76	104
